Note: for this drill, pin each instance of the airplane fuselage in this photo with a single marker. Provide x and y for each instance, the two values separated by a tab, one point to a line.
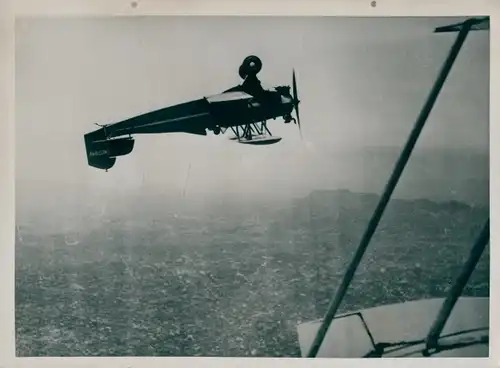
269	105
244	106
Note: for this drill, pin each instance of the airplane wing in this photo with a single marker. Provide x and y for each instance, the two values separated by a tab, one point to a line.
190	117
477	24
233	94
106	143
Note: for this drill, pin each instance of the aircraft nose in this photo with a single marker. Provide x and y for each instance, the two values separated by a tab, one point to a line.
287	103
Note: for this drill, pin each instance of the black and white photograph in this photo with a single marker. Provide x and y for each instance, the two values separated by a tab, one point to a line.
252	186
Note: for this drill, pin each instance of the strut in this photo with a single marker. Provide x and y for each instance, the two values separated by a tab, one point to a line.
464	28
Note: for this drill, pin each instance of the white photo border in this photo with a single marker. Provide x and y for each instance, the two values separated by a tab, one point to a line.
9	10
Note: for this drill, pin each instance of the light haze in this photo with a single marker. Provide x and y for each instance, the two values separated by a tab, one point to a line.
362	83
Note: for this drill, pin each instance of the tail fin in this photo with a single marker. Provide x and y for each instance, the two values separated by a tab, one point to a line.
102	152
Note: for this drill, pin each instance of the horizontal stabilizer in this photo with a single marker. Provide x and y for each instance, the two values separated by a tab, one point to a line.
102	153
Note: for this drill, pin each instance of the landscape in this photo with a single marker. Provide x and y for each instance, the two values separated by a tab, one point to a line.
197	245
151	274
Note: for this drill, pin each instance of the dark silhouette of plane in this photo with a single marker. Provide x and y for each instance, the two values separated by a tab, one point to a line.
244	109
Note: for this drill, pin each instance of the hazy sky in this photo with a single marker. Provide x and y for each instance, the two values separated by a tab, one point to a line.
362	81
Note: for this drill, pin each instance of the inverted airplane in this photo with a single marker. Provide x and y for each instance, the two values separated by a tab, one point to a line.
244	109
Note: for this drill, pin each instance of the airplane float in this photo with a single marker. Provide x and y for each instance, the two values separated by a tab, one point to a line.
244	109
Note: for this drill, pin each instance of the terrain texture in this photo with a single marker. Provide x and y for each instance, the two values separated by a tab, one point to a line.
227	281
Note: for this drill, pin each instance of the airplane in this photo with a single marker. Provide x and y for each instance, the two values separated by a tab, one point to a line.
244	109
451	326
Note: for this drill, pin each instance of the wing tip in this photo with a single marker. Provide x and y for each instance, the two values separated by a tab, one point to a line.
476	24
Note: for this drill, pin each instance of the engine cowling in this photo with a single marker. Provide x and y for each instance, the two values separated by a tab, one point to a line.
250	65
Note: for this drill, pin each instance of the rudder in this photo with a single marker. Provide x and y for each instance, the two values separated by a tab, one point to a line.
102	152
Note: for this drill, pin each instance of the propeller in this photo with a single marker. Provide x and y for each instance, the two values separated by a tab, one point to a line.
296	100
